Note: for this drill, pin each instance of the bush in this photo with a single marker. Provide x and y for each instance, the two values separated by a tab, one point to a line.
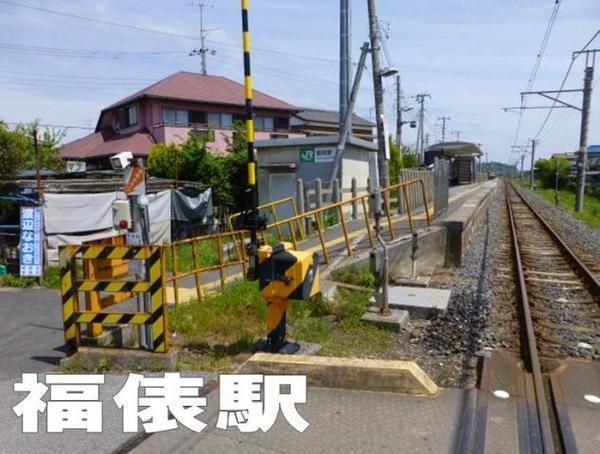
545	171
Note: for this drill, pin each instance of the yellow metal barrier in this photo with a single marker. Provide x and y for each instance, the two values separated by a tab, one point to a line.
318	213
71	285
104	269
195	247
272	207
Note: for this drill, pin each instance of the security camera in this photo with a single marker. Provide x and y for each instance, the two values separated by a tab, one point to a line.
121	160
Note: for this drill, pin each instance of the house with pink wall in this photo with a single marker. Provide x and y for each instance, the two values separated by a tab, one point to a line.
171	109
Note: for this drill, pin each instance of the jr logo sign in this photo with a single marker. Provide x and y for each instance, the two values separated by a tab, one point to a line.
307	155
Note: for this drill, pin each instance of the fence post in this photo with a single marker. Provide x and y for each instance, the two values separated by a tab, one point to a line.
370	191
354	194
307	207
336	191
300	201
319	197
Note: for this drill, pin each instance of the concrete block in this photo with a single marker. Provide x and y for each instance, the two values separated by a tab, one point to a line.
120	336
88	358
419	281
395	321
347	373
419	302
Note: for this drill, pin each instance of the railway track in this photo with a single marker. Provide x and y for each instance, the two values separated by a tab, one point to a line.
559	300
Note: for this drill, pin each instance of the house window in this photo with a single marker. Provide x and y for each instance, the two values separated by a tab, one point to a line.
127	116
214	119
226	121
197	117
132	115
282	123
175	117
182	117
220	120
168	116
264	123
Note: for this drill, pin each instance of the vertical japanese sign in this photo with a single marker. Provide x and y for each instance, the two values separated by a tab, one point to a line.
30	247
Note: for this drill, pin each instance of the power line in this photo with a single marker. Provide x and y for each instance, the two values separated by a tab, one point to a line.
84	53
562	85
69	76
536	66
45	125
164	33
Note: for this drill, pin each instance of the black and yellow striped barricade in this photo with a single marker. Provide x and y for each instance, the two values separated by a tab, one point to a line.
71	285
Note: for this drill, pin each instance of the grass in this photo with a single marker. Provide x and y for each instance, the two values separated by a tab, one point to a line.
51	279
219	331
207	255
355	275
591	211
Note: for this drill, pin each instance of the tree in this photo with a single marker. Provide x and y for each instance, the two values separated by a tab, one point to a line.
225	173
49	143
409	159
396	162
545	171
13	152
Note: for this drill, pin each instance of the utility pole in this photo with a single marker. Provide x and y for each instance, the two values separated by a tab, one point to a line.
443	120
553	95
457	134
522	160
382	162
590	57
203	50
421	130
345	59
399	113
399	110
532	171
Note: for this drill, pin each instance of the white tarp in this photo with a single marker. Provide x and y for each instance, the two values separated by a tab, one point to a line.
159	212
54	241
73	213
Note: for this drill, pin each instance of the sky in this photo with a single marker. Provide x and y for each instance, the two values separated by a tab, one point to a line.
473	57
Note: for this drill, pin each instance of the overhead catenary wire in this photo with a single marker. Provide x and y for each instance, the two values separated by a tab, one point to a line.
562	85
536	67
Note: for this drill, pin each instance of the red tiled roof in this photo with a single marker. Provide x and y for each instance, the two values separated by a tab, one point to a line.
98	144
197	87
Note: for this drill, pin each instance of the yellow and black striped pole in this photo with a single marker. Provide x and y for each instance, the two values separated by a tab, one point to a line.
252	216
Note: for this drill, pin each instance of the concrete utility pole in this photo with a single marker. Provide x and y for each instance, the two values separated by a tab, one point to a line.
522	161
346	125
532	170
457	134
583	136
382	162
345	59
203	33
421	130
443	120
399	113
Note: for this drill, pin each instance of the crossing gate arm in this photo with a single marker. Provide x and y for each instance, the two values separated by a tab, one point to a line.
157	318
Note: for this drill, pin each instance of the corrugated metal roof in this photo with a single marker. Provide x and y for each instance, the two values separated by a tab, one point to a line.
330	116
195	87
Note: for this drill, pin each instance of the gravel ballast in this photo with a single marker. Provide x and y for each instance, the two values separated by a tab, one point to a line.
482	311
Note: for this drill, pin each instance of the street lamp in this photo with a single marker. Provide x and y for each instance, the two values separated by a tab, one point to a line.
388	71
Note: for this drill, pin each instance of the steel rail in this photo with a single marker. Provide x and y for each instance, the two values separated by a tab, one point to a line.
584	271
529	345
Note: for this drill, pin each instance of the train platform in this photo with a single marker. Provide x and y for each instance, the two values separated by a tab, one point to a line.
358	238
493	418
